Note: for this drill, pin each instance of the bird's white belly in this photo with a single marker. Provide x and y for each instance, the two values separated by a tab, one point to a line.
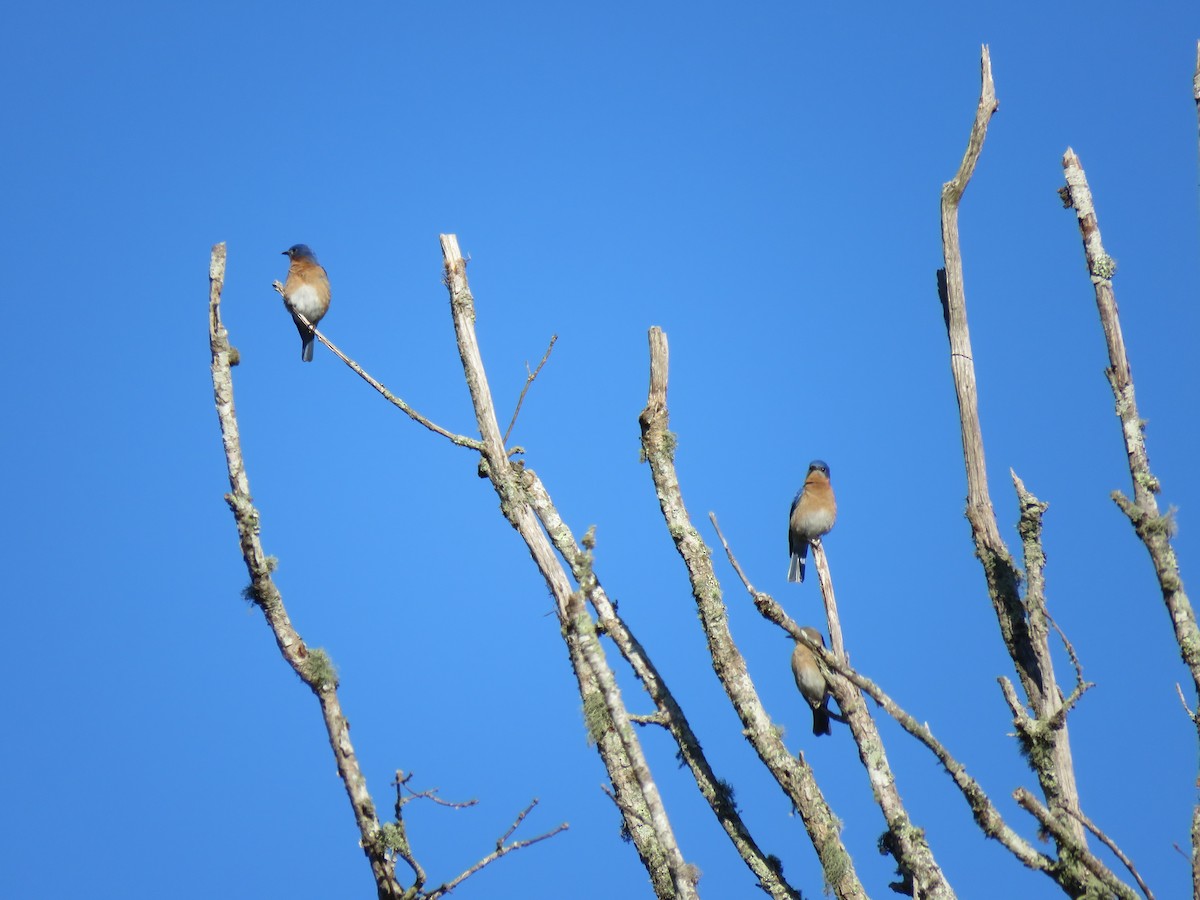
813	522
304	300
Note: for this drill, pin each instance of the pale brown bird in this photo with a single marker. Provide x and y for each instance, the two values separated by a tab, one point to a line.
812	514
811	681
306	290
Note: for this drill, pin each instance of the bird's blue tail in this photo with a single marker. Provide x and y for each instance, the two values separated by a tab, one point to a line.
796	568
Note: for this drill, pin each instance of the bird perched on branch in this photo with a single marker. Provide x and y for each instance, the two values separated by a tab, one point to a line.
811	681
306	291
813	513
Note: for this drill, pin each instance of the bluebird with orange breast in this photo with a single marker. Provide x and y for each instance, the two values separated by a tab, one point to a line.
306	291
813	513
810	680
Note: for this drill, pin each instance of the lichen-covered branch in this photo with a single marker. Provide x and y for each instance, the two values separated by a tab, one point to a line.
1071	846
668	712
904	840
1153	529
792	773
1022	624
313	666
1196	85
635	792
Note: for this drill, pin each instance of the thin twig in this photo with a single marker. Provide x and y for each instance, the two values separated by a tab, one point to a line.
1183	702
516	823
1111	845
458	439
528	381
712	517
1069	648
1067	840
431	794
501	850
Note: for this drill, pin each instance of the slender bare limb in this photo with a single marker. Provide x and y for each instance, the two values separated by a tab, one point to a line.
313	666
1111	845
528	381
1183	702
1022	624
458	439
1067	840
502	849
1154	530
607	717
403	799
793	774
904	840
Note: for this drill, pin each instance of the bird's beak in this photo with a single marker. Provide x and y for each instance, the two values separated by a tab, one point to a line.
283	253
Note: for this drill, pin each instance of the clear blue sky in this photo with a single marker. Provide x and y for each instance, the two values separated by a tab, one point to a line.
763	184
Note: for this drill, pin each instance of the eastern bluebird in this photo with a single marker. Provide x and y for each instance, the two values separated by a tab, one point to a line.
307	291
811	681
813	513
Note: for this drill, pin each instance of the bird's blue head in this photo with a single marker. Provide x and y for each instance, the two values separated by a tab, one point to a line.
300	251
818	465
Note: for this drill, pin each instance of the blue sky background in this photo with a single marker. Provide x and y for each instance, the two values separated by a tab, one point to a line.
763	184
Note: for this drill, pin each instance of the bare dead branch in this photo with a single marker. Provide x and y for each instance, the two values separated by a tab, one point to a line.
1070	648
1183	701
401	784
1066	839
501	850
313	666
528	381
517	823
457	439
712	517
395	837
608	719
836	642
1111	845
1154	530
1025	636
669	714
793	774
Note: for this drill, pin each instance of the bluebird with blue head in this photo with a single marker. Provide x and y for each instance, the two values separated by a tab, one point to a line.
307	292
813	513
811	680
